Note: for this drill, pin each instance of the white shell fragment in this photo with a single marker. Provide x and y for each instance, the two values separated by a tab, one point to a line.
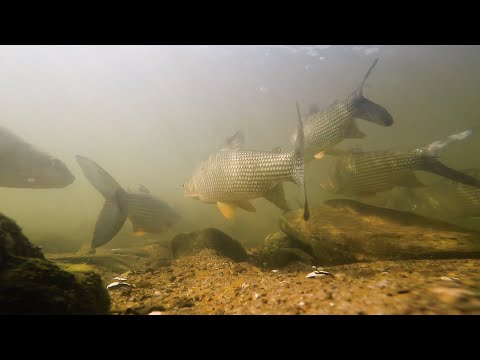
274	271
317	274
117	285
120	278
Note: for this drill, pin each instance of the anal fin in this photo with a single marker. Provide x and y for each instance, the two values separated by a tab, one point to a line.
276	196
227	209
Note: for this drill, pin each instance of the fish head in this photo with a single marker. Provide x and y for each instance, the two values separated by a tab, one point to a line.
189	189
47	172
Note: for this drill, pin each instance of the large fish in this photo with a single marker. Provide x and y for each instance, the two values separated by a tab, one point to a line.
23	166
233	176
360	173
147	213
325	129
445	199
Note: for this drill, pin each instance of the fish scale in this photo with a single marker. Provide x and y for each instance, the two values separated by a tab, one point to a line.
374	171
363	173
230	176
325	130
233	176
148	213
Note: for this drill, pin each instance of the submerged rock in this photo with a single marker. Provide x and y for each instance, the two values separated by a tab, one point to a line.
279	249
345	231
191	243
30	284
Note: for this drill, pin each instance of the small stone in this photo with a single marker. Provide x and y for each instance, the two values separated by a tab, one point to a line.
172	278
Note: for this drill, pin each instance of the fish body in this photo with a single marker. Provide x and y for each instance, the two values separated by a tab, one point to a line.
233	176
366	173
327	128
24	166
445	199
147	213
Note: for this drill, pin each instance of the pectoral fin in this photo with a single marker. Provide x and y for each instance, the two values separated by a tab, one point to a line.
227	209
245	205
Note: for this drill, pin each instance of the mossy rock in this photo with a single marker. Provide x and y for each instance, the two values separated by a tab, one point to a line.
279	250
14	243
191	243
345	231
30	284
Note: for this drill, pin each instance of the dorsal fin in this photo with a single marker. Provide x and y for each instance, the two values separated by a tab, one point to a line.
359	91
234	143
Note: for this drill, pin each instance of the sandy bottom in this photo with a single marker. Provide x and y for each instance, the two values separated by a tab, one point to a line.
206	283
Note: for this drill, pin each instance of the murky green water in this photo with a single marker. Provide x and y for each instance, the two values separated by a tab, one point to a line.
149	114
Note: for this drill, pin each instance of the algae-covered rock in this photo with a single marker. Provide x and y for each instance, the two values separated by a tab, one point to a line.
279	249
190	243
30	284
345	231
14	243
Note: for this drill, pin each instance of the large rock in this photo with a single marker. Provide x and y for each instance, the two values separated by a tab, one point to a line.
279	249
190	243
30	284
345	231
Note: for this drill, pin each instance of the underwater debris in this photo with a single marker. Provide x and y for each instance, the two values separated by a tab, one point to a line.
119	278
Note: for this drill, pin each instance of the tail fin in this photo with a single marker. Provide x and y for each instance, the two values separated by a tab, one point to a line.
432	151
436	167
98	177
368	110
115	209
434	148
299	172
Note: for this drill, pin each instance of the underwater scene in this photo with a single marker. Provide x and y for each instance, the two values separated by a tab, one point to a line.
239	180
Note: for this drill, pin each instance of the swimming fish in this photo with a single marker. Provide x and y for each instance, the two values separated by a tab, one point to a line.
147	213
366	173
233	176
327	128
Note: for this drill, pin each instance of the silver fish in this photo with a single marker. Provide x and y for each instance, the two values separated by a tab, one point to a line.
366	173
325	129
233	176
147	213
23	166
444	199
